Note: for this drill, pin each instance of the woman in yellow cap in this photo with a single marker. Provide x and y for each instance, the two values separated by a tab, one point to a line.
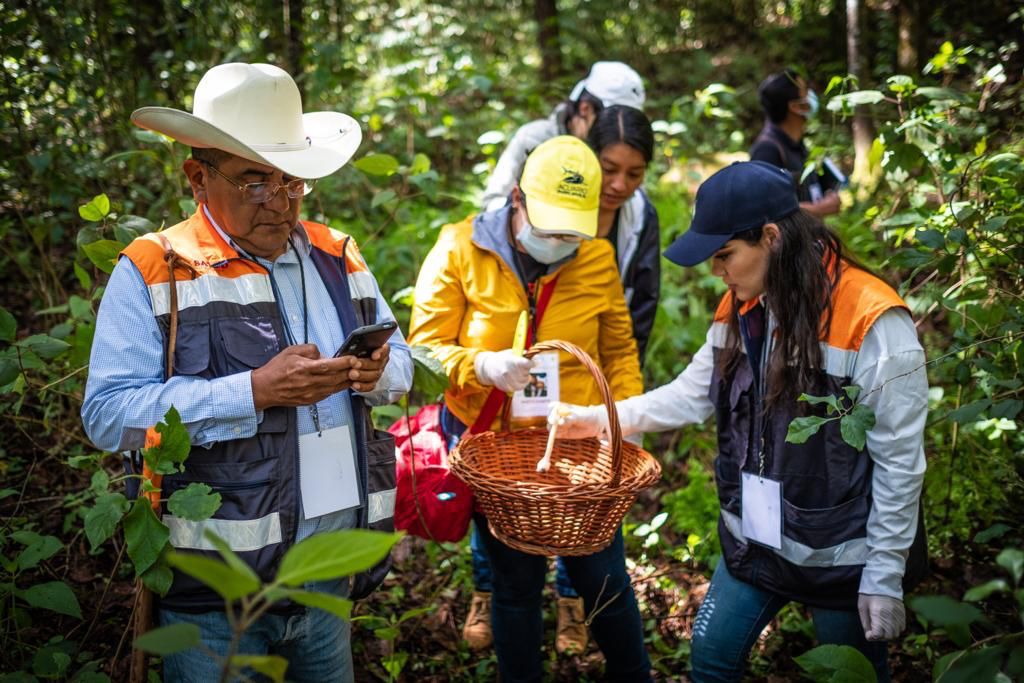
537	254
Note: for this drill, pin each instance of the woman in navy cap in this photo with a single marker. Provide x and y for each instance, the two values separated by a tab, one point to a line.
832	525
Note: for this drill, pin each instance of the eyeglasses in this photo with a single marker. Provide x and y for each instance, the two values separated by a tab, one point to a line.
260	193
570	239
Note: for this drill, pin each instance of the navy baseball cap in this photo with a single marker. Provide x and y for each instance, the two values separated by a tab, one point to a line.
741	196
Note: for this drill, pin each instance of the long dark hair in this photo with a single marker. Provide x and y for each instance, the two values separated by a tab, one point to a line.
803	274
627	125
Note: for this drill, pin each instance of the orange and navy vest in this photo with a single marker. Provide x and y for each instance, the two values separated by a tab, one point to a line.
826	483
229	322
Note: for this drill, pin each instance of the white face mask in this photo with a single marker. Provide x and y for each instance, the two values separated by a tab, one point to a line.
546	250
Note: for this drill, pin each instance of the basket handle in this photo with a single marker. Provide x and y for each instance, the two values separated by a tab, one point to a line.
615	431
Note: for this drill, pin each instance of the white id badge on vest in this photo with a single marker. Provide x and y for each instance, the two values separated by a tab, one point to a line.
327	472
536	398
762	510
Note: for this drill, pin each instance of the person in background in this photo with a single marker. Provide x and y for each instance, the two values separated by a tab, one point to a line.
607	84
474	285
788	105
831	525
264	300
624	143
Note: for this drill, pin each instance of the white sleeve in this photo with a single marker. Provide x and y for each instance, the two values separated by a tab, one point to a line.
682	401
891	374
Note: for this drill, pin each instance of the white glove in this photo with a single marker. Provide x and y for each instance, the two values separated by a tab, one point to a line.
505	370
882	617
579	422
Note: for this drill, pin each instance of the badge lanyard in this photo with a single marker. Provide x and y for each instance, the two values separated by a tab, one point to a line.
314	412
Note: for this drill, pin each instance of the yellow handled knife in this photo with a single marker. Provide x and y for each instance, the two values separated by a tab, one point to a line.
519	341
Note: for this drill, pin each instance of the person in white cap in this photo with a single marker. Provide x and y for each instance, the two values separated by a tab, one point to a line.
607	84
233	317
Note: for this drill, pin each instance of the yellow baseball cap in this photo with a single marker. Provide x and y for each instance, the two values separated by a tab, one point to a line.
562	184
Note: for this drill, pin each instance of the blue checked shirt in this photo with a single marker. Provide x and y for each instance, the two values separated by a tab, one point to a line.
126	394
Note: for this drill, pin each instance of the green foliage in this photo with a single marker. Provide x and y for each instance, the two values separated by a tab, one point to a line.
168	640
693	512
195	502
333	554
837	664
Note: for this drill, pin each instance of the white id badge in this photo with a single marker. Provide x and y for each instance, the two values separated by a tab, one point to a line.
327	472
536	398
762	510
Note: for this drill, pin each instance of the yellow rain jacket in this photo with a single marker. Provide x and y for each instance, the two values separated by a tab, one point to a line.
469	297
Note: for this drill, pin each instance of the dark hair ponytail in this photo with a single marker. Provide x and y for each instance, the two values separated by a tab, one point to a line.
803	273
622	124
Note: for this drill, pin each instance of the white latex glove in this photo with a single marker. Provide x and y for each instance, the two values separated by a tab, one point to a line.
505	370
882	617
579	422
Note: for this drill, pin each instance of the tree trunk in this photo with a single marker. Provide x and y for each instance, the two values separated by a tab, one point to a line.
862	129
545	12
294	56
907	28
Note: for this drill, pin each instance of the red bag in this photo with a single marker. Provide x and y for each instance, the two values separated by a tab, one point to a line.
430	501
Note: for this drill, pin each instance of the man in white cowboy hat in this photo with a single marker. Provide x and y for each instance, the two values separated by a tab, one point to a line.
257	302
606	84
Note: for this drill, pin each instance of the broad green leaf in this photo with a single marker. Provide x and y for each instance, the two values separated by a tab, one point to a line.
993	532
428	375
943	610
1008	409
8	325
382	197
933	239
44	346
941	94
195	502
9	371
420	164
803	428
334	554
852	392
837	663
1012	560
129	227
51	662
233	560
84	279
55	596
986	589
103	253
168	640
974	666
966	414
378	164
272	666
36	550
174	445
415	612
855	426
95	209
18	677
102	518
339	607
158	578
831	401
229	583
145	535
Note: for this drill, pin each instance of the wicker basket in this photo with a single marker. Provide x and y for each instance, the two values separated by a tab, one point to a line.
575	507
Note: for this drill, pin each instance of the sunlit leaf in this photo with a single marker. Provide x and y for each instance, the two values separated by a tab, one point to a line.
229	583
196	502
168	640
334	554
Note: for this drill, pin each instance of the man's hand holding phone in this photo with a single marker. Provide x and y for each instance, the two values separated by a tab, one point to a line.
299	375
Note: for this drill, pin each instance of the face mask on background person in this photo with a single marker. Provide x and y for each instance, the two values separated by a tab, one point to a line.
545	250
812	103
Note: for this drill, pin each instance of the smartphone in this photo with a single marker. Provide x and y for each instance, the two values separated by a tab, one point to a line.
364	340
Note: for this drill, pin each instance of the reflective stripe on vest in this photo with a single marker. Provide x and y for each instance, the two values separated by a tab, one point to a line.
380	505
241	535
852	552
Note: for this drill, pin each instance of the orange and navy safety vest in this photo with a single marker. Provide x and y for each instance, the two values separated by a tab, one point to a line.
826	483
230	322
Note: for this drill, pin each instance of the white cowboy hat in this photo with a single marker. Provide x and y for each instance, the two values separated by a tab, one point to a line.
612	83
254	111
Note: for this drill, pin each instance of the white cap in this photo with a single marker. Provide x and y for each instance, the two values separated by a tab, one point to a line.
612	83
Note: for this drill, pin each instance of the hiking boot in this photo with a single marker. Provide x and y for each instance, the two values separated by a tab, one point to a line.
572	632
477	631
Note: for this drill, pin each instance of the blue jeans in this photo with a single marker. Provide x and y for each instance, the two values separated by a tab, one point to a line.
733	615
315	643
483	580
518	624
